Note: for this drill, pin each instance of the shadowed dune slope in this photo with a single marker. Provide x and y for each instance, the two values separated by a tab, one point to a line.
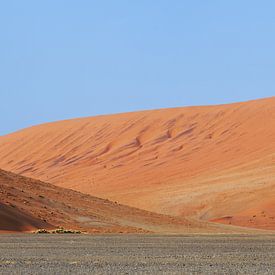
14	220
28	204
207	163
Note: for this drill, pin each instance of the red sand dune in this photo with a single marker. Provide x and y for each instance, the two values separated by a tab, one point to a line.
206	163
14	220
28	204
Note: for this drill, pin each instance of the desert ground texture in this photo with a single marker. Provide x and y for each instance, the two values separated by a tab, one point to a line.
132	254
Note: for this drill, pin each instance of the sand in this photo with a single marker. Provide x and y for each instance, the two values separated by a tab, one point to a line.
14	220
28	205
206	163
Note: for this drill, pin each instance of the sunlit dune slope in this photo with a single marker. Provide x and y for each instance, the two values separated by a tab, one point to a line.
28	204
207	163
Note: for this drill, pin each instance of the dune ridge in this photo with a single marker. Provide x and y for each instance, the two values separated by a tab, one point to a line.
28	204
207	163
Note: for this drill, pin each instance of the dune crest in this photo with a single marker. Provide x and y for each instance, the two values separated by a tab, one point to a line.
206	163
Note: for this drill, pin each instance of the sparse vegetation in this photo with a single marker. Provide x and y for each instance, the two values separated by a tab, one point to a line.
59	230
42	231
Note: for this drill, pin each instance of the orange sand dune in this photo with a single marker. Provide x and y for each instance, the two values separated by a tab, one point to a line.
204	163
28	204
13	220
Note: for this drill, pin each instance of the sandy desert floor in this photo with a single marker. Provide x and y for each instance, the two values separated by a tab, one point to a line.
131	254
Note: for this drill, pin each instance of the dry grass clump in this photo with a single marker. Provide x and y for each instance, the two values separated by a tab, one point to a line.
59	230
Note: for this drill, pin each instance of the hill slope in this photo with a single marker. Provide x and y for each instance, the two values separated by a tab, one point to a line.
28	204
206	163
12	219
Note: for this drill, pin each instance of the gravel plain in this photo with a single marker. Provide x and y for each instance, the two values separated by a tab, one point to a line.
137	254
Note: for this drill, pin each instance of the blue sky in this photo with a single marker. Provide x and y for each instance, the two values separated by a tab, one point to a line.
65	59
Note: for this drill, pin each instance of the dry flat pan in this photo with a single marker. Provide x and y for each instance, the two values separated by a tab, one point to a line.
128	254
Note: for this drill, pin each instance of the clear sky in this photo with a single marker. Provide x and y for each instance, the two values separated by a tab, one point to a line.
64	58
